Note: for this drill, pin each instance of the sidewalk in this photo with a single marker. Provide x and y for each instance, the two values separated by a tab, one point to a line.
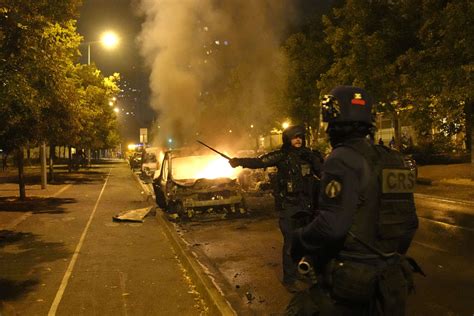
13	211
447	181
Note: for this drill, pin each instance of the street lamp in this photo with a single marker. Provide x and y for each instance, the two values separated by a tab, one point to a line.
108	39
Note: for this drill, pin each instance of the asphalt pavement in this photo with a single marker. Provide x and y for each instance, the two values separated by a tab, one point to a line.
61	252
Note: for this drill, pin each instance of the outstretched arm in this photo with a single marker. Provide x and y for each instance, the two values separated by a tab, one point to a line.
268	160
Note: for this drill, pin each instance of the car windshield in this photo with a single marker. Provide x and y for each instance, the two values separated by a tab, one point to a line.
197	167
150	157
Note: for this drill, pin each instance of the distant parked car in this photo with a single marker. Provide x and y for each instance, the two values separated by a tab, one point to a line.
149	162
183	186
135	160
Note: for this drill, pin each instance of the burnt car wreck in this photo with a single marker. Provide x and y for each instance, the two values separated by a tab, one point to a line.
193	186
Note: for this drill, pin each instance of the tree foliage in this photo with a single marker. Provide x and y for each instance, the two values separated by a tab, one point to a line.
309	56
97	125
415	57
44	95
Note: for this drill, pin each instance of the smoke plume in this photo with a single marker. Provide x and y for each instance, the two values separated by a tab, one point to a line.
216	66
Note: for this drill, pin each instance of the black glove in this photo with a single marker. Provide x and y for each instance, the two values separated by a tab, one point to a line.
297	250
235	162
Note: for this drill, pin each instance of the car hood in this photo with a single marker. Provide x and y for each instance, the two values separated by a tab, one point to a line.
207	184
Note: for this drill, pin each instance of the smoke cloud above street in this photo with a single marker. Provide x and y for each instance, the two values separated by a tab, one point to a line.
210	56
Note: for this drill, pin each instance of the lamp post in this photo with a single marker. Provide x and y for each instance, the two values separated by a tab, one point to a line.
108	39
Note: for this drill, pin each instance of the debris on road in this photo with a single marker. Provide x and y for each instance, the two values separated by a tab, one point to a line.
137	215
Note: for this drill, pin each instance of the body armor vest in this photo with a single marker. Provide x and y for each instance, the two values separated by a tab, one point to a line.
297	181
386	215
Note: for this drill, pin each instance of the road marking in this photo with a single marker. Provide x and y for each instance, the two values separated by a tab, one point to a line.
433	197
67	274
61	190
23	217
445	225
15	222
430	246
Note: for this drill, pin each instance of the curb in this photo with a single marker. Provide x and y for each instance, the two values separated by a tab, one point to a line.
217	303
434	197
424	181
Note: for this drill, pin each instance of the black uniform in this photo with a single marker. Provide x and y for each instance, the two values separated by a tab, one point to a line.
297	185
365	223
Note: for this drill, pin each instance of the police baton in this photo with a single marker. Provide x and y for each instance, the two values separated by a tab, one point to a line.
214	150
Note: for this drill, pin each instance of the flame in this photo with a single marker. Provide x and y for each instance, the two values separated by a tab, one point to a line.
197	167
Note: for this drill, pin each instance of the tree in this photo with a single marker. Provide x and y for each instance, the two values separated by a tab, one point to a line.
97	122
40	96
402	52
441	67
367	37
309	56
58	86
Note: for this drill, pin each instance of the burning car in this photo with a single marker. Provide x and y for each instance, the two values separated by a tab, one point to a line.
191	184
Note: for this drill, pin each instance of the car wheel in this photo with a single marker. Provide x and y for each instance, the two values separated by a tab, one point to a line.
182	212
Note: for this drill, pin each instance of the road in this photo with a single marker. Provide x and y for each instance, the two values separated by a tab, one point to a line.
70	258
444	246
244	256
64	255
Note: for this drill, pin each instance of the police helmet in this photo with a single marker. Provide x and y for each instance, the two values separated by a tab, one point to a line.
347	104
293	131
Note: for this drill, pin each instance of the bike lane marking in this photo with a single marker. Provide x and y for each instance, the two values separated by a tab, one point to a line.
18	220
68	273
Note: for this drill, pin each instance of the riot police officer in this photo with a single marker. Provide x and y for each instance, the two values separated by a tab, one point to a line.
365	221
297	181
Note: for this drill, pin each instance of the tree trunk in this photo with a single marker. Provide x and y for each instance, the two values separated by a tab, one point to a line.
396	128
21	173
4	160
51	162
28	154
44	180
469	110
70	159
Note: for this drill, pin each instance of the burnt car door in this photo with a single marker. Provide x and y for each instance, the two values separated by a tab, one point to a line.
160	184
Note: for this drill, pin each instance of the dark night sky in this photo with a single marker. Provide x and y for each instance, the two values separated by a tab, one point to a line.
98	16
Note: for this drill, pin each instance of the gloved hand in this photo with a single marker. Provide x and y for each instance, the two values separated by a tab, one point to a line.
297	250
234	162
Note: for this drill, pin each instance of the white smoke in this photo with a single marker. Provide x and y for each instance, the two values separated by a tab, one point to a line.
192	47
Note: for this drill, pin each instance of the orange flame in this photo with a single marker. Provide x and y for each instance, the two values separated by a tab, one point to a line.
197	167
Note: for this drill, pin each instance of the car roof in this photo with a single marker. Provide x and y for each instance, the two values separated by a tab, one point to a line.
185	152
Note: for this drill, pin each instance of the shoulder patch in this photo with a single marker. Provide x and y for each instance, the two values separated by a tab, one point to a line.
333	189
